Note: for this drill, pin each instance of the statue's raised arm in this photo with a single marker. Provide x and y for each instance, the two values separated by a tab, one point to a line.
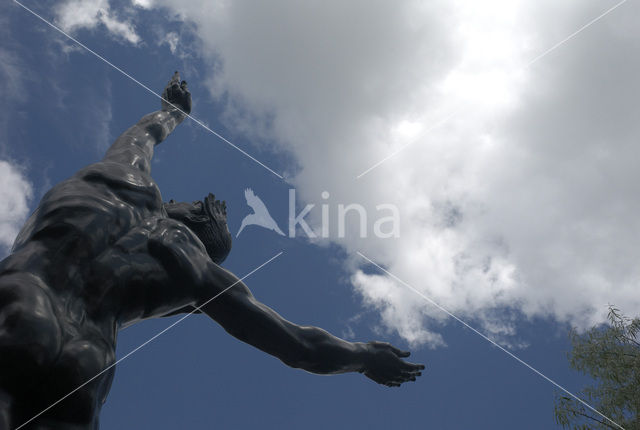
135	146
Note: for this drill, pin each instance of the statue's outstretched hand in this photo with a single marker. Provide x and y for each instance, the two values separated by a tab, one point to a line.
385	365
176	94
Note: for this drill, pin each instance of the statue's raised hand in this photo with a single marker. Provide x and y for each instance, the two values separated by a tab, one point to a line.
176	94
385	365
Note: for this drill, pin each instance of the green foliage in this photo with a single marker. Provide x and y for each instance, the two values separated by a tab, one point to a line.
610	354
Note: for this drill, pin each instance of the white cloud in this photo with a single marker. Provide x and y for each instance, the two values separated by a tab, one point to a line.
15	192
77	14
525	202
13	77
171	39
145	4
15	189
98	125
12	72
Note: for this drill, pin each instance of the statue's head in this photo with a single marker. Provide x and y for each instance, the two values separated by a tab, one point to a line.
208	220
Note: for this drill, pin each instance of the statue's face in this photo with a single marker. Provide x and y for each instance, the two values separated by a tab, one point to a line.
198	206
182	210
209	224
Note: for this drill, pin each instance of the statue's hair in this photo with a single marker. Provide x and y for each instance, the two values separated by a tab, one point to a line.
211	229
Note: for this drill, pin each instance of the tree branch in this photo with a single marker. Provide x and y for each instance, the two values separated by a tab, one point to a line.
603	422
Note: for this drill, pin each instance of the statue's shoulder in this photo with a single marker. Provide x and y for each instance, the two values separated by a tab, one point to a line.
159	231
116	174
171	233
177	248
155	240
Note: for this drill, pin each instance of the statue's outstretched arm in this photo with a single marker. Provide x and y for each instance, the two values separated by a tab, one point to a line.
161	268
309	348
135	146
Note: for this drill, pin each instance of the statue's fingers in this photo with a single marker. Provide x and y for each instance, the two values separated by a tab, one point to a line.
402	380
410	376
169	93
171	81
399	352
412	366
185	91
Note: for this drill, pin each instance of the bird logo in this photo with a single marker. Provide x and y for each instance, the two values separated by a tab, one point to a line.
260	215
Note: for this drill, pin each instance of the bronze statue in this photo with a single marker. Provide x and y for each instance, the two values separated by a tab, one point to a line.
101	252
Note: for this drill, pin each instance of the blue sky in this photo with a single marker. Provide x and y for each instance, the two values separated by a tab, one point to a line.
518	214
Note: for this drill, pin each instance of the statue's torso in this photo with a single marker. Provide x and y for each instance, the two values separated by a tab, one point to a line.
75	223
78	220
82	217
